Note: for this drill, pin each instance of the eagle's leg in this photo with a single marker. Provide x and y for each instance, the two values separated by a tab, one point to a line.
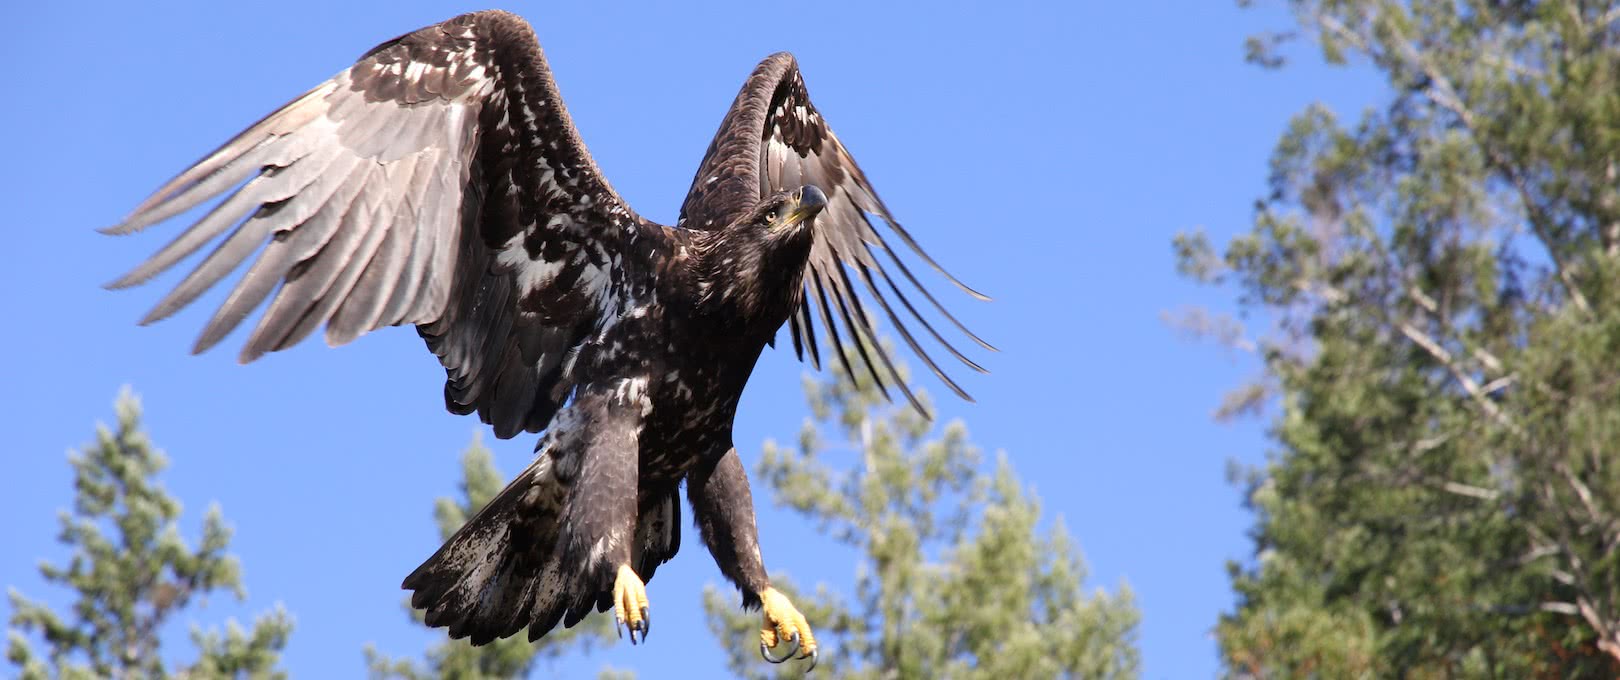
600	515
724	509
630	603
784	622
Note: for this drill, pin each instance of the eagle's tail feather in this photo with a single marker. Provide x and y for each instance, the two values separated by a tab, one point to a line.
500	571
504	569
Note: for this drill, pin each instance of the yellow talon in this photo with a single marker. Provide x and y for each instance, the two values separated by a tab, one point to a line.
783	622
630	603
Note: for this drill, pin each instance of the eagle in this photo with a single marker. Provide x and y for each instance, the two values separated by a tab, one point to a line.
438	182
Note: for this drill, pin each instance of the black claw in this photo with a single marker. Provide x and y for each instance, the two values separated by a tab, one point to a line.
765	651
618	627
646	624
815	654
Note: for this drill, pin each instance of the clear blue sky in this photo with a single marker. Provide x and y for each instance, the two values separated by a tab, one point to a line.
1045	152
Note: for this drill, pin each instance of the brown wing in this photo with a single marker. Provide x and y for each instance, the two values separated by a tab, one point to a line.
437	182
773	139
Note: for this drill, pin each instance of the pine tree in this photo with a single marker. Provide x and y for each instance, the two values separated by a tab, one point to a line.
504	659
1440	280
132	571
954	580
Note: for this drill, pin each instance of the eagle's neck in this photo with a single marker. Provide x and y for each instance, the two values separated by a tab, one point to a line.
749	281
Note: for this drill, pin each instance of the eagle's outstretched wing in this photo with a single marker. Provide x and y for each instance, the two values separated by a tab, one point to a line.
437	182
774	139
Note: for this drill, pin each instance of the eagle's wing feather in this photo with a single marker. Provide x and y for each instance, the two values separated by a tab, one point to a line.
437	182
773	139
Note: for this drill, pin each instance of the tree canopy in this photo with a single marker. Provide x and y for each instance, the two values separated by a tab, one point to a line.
131	571
956	577
1434	290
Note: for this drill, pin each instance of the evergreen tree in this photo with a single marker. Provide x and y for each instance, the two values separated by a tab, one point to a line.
504	659
954	579
1443	293
131	572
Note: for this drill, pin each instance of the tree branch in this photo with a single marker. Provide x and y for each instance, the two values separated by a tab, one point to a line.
1466	381
1442	93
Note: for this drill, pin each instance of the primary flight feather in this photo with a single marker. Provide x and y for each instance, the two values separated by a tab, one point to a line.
438	182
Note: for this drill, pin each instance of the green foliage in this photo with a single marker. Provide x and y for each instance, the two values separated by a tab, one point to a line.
954	581
1440	275
512	657
131	571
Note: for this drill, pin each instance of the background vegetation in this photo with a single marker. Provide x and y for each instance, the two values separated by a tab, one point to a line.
1432	285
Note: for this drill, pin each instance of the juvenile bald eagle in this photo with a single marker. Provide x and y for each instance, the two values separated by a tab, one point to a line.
439	182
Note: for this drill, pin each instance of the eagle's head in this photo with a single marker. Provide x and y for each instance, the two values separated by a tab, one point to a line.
755	266
777	234
785	214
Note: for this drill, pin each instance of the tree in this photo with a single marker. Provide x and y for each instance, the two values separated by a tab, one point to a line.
503	659
132	571
954	580
1439	279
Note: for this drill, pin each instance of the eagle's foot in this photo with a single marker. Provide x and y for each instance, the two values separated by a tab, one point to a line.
630	604
784	623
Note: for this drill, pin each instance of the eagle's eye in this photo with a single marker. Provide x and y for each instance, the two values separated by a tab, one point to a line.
771	216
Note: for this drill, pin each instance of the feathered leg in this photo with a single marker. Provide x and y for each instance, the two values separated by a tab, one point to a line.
724	509
553	544
599	519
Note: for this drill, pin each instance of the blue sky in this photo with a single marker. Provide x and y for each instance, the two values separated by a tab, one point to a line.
1045	152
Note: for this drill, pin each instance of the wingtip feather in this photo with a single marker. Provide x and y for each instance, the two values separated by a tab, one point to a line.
121	283
970	291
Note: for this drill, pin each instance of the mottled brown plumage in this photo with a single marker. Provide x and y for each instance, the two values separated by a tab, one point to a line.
439	183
